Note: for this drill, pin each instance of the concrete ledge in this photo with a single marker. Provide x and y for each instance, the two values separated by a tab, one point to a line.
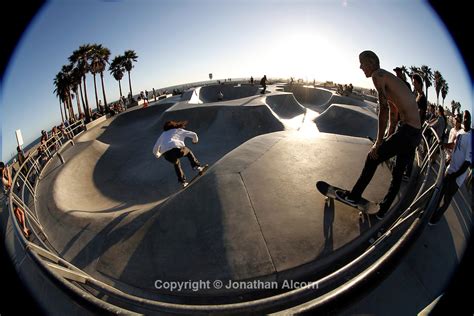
96	122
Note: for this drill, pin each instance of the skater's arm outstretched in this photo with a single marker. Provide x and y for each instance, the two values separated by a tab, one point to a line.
190	134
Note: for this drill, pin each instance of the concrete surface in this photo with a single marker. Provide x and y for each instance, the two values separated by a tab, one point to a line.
118	213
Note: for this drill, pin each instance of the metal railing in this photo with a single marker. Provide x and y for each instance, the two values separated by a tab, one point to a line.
389	241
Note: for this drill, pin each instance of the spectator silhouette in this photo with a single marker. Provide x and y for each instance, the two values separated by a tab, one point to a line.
263	83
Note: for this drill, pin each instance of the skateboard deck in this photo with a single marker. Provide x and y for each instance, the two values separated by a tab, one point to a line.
199	174
329	191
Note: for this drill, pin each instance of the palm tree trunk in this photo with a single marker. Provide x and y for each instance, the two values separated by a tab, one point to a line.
88	117
71	110
61	110
130	84
66	110
120	88
82	96
99	108
103	92
69	98
78	105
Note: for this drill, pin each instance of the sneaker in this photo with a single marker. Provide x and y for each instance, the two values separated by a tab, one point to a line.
344	197
185	184
199	169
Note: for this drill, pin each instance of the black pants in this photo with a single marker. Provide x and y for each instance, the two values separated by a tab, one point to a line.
402	144
449	189
410	162
264	89
175	154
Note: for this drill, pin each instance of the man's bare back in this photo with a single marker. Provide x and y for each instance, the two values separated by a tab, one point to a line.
396	92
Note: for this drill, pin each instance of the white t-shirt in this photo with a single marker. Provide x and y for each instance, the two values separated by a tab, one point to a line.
462	152
452	137
173	138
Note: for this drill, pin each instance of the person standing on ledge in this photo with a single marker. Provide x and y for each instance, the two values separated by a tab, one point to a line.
263	83
171	145
394	96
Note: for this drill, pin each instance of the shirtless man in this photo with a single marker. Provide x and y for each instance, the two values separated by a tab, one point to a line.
393	95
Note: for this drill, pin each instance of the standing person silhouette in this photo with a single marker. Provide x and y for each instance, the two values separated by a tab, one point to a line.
263	83
171	145
394	96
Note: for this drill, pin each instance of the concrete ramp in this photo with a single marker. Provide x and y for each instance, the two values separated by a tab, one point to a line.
285	105
319	99
210	93
340	99
348	120
119	164
313	98
227	225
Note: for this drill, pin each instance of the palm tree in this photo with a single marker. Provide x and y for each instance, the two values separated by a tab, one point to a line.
453	106
438	83
444	90
95	69
57	82
405	70
104	54
79	58
414	70
68	70
117	69
129	57
427	77
458	107
62	88
75	80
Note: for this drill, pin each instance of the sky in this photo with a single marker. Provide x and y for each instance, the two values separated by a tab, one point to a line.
182	41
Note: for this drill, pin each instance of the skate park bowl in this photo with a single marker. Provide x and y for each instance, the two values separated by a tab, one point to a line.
113	231
210	93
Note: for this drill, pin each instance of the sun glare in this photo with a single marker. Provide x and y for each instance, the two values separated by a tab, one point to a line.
308	55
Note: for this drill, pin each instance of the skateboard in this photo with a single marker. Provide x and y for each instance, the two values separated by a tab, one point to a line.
364	206
198	175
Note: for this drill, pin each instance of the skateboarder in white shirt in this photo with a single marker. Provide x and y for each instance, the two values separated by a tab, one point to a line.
461	160
171	145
